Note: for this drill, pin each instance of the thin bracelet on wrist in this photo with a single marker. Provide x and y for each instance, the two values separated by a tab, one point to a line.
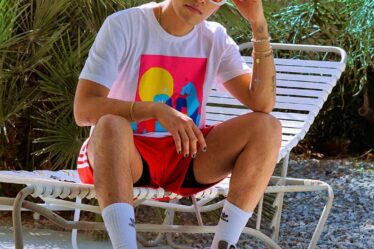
132	111
262	54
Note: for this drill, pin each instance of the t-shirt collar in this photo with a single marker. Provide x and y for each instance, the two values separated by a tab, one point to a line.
162	32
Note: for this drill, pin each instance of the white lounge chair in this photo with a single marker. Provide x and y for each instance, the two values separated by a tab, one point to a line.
302	88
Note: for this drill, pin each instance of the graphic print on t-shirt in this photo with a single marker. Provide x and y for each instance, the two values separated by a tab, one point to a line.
176	81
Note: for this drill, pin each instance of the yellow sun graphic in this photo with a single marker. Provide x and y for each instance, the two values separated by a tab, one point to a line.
155	81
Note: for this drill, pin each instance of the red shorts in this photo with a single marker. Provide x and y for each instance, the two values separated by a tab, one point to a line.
162	166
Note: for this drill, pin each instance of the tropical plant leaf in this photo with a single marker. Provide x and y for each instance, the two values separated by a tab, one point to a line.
14	100
61	140
59	77
10	11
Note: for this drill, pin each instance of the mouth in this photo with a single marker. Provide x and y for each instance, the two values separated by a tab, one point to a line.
193	9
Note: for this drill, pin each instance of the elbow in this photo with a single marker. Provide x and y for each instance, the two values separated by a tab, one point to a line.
84	117
269	108
78	116
264	108
78	120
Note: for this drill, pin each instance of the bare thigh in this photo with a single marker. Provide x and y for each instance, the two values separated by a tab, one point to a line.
228	139
112	141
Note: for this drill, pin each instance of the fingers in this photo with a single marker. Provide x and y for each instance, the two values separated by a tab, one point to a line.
193	142
200	138
187	138
177	141
185	142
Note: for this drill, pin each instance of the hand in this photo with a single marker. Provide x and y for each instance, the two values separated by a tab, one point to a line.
251	10
185	133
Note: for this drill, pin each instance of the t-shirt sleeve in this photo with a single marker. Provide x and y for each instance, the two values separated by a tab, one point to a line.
232	63
102	64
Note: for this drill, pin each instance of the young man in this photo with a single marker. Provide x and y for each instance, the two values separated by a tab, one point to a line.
144	87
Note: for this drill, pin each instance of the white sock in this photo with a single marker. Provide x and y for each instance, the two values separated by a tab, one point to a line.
230	225
119	221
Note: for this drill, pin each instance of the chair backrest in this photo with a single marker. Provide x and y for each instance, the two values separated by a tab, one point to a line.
302	88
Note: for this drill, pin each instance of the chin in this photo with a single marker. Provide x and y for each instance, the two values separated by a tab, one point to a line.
187	17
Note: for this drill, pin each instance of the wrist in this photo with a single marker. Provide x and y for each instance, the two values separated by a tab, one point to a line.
156	109
260	29
143	110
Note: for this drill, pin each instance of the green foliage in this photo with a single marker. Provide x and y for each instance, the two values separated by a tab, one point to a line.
318	22
43	47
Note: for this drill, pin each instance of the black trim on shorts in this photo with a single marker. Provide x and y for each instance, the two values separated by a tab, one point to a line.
145	178
188	182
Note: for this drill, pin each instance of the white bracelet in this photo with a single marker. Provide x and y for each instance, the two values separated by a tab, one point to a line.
262	40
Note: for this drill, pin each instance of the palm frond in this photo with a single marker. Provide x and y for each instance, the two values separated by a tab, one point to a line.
58	77
60	142
9	13
14	100
91	14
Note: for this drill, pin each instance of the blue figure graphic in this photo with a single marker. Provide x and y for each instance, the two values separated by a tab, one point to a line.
192	103
164	99
187	99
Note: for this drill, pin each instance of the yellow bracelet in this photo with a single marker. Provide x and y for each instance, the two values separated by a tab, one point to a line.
262	54
132	111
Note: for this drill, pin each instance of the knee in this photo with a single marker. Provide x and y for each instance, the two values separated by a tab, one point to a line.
268	126
274	125
112	126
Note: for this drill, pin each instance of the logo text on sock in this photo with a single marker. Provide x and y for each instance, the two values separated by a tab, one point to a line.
224	217
132	222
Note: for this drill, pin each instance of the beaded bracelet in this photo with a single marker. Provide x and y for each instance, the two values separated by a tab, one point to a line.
261	40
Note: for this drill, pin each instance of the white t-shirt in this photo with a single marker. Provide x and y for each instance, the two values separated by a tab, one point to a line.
138	60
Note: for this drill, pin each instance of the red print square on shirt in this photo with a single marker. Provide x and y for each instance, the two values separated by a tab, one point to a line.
176	81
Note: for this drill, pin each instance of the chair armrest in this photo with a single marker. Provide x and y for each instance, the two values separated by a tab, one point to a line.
301	47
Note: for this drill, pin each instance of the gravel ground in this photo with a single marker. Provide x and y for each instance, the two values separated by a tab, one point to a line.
351	220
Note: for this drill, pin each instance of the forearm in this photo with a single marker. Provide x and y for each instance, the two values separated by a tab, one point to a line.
262	87
88	111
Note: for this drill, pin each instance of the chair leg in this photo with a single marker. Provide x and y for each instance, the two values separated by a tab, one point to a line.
169	237
154	242
160	236
278	203
74	232
16	215
197	211
322	219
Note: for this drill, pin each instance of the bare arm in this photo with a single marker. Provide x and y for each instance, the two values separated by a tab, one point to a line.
91	102
257	91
